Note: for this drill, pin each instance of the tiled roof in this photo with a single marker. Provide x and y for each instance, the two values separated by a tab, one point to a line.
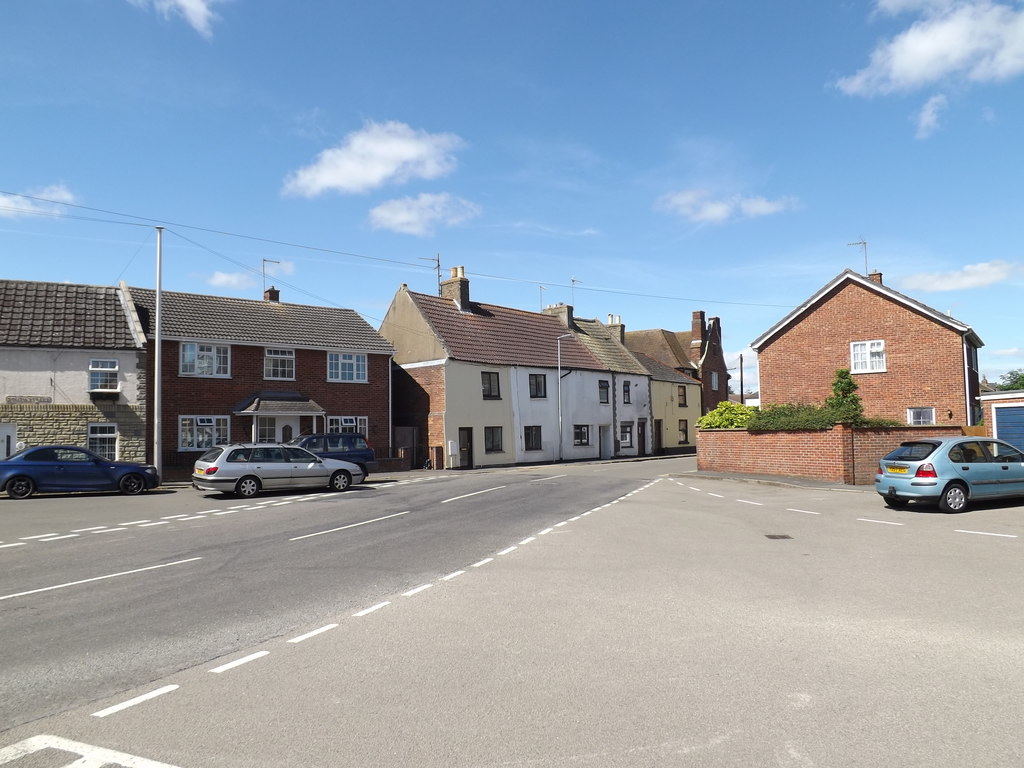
660	372
37	314
501	335
249	321
671	348
280	404
606	347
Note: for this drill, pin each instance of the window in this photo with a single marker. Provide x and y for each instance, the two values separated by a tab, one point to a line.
489	380
102	440
626	434
581	434
625	392
714	381
198	432
279	364
266	429
204	359
531	438
920	416
346	366
681	395
348	424
684	431
538	385
602	391
492	439
867	356
102	375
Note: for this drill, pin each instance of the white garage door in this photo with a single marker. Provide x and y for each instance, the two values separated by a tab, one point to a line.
1010	424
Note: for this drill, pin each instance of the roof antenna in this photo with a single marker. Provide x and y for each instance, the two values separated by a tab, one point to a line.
265	262
863	244
436	261
573	281
542	289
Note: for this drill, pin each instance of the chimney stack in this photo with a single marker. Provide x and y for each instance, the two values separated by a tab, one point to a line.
875	277
562	311
272	294
617	328
456	288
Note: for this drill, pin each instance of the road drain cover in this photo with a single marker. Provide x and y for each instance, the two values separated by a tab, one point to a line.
777	536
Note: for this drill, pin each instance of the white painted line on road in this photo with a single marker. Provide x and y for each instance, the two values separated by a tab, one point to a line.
553	477
172	517
206	511
91	756
692	488
314	633
39	536
16	544
281	503
527	540
451	576
239	506
346	527
574	519
240	662
507	550
86	530
58	538
195	517
417	590
226	512
485	561
546	530
476	493
99	578
805	511
126	705
110	530
716	495
755	503
134	522
986	533
150	525
559	525
371	609
880	522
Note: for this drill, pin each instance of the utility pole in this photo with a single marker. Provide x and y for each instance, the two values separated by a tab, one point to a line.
158	351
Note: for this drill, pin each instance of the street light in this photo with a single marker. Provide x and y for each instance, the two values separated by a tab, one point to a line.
558	345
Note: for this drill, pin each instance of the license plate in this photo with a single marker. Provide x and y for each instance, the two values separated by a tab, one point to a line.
896	470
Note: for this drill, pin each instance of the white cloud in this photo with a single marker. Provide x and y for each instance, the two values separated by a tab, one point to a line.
928	117
1011	352
379	154
233	280
198	14
972	40
43	201
970	276
420	215
699	206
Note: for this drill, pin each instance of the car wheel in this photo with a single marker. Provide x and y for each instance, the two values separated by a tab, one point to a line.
247	487
954	498
341	480
894	502
20	487
131	485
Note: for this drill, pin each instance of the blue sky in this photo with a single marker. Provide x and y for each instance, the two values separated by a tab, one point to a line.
645	159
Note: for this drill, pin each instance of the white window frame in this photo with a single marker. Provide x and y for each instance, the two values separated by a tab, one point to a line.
714	381
867	356
914	417
100	372
348	424
216	430
581	434
266	429
277	360
217	357
105	435
347	367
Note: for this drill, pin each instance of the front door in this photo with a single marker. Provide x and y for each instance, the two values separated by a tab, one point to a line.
465	447
641	437
659	444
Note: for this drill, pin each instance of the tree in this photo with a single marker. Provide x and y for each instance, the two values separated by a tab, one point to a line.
845	404
1012	380
727	415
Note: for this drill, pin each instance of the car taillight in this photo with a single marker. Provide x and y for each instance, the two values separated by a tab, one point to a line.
211	470
926	470
879	470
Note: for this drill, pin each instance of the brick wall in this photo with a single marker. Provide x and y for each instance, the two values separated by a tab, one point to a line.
837	455
419	401
924	360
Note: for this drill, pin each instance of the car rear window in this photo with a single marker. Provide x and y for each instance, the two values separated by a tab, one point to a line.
911	452
212	454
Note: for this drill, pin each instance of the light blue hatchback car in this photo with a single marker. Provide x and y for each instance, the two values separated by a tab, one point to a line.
950	471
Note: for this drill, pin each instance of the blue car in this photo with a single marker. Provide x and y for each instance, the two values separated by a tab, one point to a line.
950	471
66	468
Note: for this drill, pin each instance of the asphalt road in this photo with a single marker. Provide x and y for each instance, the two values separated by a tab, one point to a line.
617	615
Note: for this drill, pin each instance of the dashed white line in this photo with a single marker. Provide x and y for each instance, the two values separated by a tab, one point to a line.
546	530
15	544
110	530
314	633
371	609
559	525
880	522
195	517
541	479
451	576
134	522
99	578
986	533
417	590
755	503
58	538
150	525
172	517
716	495
226	512
346	527
805	511
39	536
507	550
475	493
239	662
86	530
527	540
485	561
132	703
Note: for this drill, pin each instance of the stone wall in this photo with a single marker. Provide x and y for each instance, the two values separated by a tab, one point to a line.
47	423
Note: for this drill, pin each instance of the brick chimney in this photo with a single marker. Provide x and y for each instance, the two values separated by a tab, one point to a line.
875	277
456	288
617	328
562	311
272	294
697	330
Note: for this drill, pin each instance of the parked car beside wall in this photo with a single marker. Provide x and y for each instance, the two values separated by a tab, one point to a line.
345	446
67	468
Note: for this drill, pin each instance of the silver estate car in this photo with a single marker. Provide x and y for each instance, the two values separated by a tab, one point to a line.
245	469
950	472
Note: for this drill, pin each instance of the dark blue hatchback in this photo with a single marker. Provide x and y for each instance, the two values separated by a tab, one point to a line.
66	468
347	446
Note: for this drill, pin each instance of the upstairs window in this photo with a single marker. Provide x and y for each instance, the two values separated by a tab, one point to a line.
603	391
538	385
867	356
279	364
681	395
626	397
204	359
103	375
346	366
489	382
714	381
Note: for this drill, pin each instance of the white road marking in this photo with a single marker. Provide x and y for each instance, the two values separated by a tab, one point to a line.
527	540
131	703
346	527
91	757
99	578
314	633
86	530
475	493
559	525
134	522
485	561
716	495
16	544
986	533
150	525
240	662
110	530
805	511
195	517
226	512
451	576
546	530
172	517
541	479
755	503
371	609
507	550
58	538
417	590
880	522
39	536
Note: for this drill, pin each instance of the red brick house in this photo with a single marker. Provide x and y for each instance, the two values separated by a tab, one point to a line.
247	370
911	363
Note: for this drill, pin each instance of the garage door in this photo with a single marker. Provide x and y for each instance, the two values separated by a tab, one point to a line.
1010	424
